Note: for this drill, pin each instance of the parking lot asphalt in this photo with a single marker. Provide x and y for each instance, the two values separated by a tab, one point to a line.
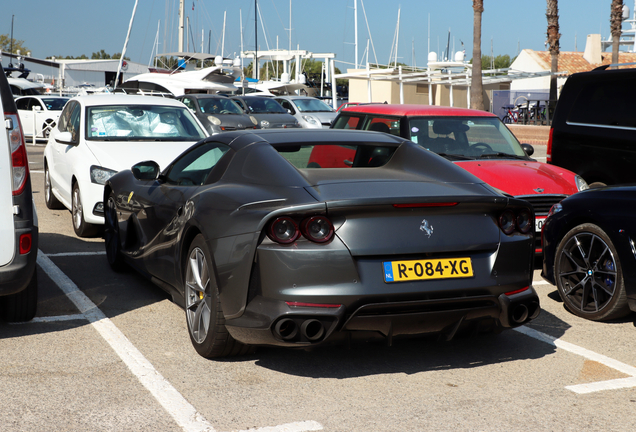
110	351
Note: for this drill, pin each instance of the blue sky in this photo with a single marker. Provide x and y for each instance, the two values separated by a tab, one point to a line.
75	27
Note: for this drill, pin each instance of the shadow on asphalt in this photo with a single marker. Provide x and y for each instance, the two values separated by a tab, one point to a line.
407	356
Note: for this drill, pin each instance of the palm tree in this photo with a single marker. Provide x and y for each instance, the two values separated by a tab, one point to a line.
616	22
552	15
476	85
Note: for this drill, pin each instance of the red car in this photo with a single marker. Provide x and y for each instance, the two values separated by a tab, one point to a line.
475	140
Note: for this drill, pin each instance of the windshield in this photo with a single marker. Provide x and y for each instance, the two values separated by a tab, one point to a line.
258	105
478	137
141	123
54	104
219	106
312	105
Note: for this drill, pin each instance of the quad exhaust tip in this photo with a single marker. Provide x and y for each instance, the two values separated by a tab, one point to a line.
310	329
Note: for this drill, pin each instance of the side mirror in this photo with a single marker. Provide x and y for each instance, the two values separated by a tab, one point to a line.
147	170
528	149
65	138
37	108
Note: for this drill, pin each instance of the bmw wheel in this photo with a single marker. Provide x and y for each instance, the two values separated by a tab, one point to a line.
206	323
111	235
589	274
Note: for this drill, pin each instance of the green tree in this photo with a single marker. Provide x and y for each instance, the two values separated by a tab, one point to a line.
100	55
500	62
5	45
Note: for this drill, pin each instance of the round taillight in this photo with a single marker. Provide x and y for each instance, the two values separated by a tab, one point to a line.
507	222
318	229
283	230
524	221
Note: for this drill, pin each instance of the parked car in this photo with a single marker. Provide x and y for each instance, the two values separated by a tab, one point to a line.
260	249
592	133
310	112
218	113
589	252
476	141
18	218
99	135
267	112
45	110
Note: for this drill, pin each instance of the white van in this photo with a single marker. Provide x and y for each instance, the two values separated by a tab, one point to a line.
18	218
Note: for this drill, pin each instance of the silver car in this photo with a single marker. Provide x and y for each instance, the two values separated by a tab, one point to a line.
310	112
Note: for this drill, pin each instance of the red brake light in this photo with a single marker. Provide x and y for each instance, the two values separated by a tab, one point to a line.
283	230
548	155
19	161
318	229
25	243
507	222
516	291
320	305
417	205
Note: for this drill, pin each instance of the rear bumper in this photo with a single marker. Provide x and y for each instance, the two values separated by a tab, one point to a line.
15	276
270	322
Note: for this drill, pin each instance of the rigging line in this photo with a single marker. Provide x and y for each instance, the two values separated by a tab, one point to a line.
143	44
212	27
369	31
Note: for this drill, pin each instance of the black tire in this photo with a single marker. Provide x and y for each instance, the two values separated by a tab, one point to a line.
49	198
589	274
80	226
507	119
22	306
111	236
204	315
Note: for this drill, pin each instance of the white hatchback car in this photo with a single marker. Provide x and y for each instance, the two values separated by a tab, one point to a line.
99	135
39	113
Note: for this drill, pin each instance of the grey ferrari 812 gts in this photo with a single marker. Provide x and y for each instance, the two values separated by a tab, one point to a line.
260	246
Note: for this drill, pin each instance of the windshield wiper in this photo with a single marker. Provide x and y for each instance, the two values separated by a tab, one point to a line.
455	156
501	155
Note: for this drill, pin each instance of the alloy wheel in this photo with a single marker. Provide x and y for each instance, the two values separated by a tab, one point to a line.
587	273
197	295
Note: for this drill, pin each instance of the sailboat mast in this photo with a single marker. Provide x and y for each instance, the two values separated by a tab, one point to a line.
223	39
123	52
355	28
181	23
255	39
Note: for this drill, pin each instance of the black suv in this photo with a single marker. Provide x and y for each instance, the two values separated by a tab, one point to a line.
594	127
18	219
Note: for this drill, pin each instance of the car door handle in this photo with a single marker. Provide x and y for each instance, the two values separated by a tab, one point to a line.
348	162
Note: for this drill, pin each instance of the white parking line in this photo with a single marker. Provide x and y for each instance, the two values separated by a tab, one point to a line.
172	401
67	254
590	355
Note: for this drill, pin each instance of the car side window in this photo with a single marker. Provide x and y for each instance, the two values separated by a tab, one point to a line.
73	125
193	168
23	104
189	103
65	116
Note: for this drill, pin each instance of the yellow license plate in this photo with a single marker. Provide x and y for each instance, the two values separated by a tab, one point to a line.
402	271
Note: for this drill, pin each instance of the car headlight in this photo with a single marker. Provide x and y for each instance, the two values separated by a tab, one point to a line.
555	209
311	120
264	124
254	120
100	175
215	121
581	184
